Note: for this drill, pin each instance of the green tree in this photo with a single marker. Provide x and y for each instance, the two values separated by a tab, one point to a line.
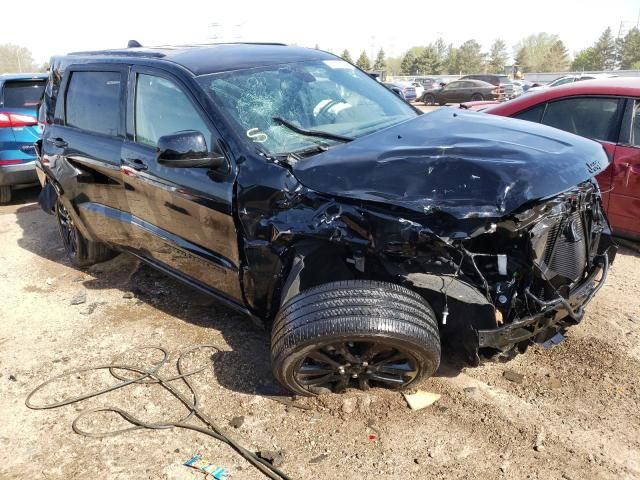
542	52
408	65
425	63
380	63
629	50
602	55
363	62
451	61
557	58
470	58
441	50
586	59
605	48
393	65
498	56
15	59
346	56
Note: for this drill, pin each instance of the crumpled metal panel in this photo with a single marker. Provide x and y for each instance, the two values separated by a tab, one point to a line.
466	164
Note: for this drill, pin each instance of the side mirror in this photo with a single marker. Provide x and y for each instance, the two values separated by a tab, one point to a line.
188	149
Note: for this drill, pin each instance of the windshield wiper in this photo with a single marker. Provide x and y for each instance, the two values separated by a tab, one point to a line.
311	133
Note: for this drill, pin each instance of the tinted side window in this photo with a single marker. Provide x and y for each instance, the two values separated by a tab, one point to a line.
163	108
93	102
588	117
532	115
22	94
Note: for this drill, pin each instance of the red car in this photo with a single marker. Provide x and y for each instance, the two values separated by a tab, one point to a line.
608	111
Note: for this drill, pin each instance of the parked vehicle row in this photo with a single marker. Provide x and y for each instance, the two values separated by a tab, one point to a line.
20	95
566	79
405	90
298	190
462	91
607	111
507	88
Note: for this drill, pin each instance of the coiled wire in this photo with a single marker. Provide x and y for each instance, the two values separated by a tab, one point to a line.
153	375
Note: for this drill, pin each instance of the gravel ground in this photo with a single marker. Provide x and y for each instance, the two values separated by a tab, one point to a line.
574	415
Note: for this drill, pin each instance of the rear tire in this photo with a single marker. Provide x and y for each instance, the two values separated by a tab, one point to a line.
354	332
81	251
5	194
477	97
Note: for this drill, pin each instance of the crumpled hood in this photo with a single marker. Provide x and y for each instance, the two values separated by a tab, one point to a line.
464	163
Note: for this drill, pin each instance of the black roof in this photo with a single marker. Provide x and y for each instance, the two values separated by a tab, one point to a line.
214	58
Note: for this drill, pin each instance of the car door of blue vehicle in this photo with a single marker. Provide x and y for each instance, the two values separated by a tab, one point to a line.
182	218
83	146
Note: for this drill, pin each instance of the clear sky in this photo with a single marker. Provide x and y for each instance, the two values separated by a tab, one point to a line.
60	26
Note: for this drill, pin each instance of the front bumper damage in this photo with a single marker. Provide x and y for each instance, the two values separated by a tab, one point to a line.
555	314
495	284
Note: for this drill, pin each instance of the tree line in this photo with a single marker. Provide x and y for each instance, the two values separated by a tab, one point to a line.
17	59
542	52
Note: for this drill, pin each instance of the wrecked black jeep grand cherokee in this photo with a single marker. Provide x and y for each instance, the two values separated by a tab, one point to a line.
296	189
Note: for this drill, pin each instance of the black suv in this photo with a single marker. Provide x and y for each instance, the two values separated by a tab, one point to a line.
296	189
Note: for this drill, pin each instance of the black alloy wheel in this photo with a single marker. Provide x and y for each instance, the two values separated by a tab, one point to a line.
336	366
81	251
354	333
68	230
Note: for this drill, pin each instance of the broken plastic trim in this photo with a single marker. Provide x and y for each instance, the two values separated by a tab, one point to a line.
554	312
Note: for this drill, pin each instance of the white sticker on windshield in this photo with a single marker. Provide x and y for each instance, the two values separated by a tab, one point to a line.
257	136
336	64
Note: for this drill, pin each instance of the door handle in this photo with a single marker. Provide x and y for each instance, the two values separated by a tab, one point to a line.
57	142
134	163
630	169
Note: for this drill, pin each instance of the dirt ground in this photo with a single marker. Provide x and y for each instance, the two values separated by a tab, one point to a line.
575	415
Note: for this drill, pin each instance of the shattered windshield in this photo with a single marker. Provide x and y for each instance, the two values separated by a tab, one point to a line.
295	107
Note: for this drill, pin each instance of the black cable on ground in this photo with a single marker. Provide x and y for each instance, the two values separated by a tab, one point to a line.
152	375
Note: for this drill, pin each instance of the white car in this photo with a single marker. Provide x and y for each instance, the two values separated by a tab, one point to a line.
570	79
419	89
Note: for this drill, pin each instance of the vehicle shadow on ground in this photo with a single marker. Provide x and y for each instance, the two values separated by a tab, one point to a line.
244	368
19	198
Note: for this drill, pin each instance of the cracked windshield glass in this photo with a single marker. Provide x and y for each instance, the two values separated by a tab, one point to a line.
297	107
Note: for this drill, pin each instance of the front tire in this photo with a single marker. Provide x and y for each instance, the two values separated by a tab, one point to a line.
5	194
428	99
355	332
477	97
81	251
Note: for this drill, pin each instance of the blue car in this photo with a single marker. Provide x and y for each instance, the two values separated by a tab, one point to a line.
20	95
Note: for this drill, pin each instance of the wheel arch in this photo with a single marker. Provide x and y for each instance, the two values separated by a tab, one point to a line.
310	263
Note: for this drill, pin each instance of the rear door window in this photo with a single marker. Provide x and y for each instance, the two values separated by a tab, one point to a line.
594	118
93	102
22	94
